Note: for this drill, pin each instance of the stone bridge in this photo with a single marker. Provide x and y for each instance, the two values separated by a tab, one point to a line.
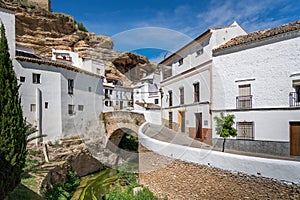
119	122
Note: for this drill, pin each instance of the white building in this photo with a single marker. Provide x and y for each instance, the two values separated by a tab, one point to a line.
147	93
59	98
116	96
186	83
256	77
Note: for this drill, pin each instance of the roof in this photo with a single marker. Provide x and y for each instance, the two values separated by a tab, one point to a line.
187	45
147	105
259	35
56	64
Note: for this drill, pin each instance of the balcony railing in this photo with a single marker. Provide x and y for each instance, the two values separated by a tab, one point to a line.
294	99
244	102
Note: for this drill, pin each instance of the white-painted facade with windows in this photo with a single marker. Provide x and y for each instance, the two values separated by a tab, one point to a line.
186	83
147	92
59	98
116	96
259	82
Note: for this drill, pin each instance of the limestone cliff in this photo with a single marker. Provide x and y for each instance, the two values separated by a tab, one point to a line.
43	30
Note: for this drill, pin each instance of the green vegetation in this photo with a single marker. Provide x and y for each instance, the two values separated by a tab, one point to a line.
81	27
129	142
224	127
63	191
98	185
144	194
13	129
127	181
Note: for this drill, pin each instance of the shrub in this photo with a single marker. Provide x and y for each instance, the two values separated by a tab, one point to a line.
81	27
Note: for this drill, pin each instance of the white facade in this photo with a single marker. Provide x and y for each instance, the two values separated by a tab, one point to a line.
186	82
7	17
270	68
147	92
51	106
72	58
116	97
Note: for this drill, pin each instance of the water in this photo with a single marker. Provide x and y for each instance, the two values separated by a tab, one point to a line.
95	186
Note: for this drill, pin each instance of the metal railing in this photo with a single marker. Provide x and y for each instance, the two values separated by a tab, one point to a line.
244	102
294	99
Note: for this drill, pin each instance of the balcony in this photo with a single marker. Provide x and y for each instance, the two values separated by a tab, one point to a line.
244	102
294	99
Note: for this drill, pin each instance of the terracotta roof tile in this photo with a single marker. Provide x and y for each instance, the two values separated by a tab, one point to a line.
259	35
56	64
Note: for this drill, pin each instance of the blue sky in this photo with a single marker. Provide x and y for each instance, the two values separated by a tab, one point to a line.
130	22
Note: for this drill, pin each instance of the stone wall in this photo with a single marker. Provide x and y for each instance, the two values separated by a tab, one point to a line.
255	146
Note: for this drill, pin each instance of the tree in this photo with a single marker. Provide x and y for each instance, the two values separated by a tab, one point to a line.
224	127
12	125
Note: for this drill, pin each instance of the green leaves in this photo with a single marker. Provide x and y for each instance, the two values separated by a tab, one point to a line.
12	125
224	126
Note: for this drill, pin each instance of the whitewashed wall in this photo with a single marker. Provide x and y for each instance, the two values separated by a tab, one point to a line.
270	65
270	69
50	87
56	121
268	125
187	82
7	17
282	170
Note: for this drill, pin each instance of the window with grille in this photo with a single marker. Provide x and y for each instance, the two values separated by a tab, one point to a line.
244	100
196	92
71	109
36	78
70	86
170	98
245	130
170	120
32	107
180	61
181	91
22	79
80	107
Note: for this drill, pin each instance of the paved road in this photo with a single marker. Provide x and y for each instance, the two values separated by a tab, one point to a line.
167	135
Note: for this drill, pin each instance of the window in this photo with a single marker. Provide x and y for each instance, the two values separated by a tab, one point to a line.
70	86
36	78
199	52
244	100
117	103
170	98
80	107
295	95
180	61
110	91
196	92
245	130
46	105
181	91
71	109
90	89
156	101
98	71
32	107
22	79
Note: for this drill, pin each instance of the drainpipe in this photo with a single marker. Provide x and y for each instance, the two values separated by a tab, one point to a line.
39	115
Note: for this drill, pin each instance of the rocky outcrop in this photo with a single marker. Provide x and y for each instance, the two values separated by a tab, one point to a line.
43	30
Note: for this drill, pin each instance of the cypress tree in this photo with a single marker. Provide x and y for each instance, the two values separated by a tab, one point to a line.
12	125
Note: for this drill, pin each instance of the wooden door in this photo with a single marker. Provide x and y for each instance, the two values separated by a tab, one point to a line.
182	114
295	138
198	125
170	120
